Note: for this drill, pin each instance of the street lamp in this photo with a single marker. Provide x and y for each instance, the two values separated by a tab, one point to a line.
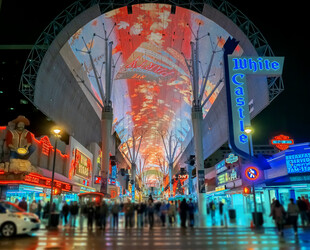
249	131
56	132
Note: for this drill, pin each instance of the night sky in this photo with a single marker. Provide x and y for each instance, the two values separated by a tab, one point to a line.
283	25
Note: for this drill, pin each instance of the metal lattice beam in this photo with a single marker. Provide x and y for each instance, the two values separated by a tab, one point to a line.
32	65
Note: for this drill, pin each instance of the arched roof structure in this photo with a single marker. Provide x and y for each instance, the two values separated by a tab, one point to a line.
151	89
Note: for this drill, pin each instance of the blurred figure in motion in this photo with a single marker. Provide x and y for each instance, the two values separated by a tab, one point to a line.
103	214
115	210
292	211
278	213
171	213
90	215
150	211
183	213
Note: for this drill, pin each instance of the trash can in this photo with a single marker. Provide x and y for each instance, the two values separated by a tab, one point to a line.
232	214
54	219
258	219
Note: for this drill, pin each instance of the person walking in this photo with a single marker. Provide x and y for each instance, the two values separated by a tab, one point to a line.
150	211
115	210
46	210
129	212
65	213
140	213
103	215
292	211
83	214
278	214
97	214
191	212
163	213
23	204
212	208
302	205
171	213
39	211
74	210
33	208
183	213
90	216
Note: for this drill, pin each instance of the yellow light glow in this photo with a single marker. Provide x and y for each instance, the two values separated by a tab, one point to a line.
56	131
248	130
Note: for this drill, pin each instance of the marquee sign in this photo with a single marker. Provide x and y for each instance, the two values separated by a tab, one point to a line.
282	142
36	180
236	69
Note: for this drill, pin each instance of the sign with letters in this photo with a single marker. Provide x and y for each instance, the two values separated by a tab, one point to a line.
237	94
282	142
298	163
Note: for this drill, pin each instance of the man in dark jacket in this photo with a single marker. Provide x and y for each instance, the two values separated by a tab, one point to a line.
183	212
303	211
65	212
74	210
23	204
103	214
90	215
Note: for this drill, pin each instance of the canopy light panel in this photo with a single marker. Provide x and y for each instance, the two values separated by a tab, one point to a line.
151	83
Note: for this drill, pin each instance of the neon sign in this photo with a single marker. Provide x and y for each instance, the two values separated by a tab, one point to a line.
231	159
82	165
252	173
298	163
46	182
236	69
282	142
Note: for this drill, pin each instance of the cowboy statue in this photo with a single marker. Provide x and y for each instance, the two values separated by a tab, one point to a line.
19	140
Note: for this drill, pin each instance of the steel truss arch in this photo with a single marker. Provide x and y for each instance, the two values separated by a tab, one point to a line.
37	53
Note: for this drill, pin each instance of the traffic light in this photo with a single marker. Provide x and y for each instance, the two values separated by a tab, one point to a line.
247	190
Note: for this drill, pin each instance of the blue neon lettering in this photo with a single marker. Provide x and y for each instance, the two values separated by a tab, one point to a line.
239	91
234	79
258	64
275	65
243	138
240	101
240	110
241	125
241	65
252	65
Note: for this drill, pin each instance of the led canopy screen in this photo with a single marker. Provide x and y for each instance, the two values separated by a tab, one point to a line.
151	81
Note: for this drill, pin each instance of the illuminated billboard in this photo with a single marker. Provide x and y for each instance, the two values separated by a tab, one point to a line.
83	165
298	163
151	84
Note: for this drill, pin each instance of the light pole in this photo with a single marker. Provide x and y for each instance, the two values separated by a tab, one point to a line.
249	131
56	132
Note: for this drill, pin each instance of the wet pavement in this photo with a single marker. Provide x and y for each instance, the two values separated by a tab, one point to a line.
159	238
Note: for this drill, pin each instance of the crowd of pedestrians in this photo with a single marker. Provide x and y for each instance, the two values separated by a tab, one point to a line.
151	213
289	217
144	214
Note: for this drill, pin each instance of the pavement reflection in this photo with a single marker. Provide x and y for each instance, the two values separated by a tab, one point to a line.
159	238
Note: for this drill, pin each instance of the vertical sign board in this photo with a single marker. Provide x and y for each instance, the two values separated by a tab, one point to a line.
237	94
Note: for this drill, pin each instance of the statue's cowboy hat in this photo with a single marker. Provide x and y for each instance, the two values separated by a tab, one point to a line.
23	119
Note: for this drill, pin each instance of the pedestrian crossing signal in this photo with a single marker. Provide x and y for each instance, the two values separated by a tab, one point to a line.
246	190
